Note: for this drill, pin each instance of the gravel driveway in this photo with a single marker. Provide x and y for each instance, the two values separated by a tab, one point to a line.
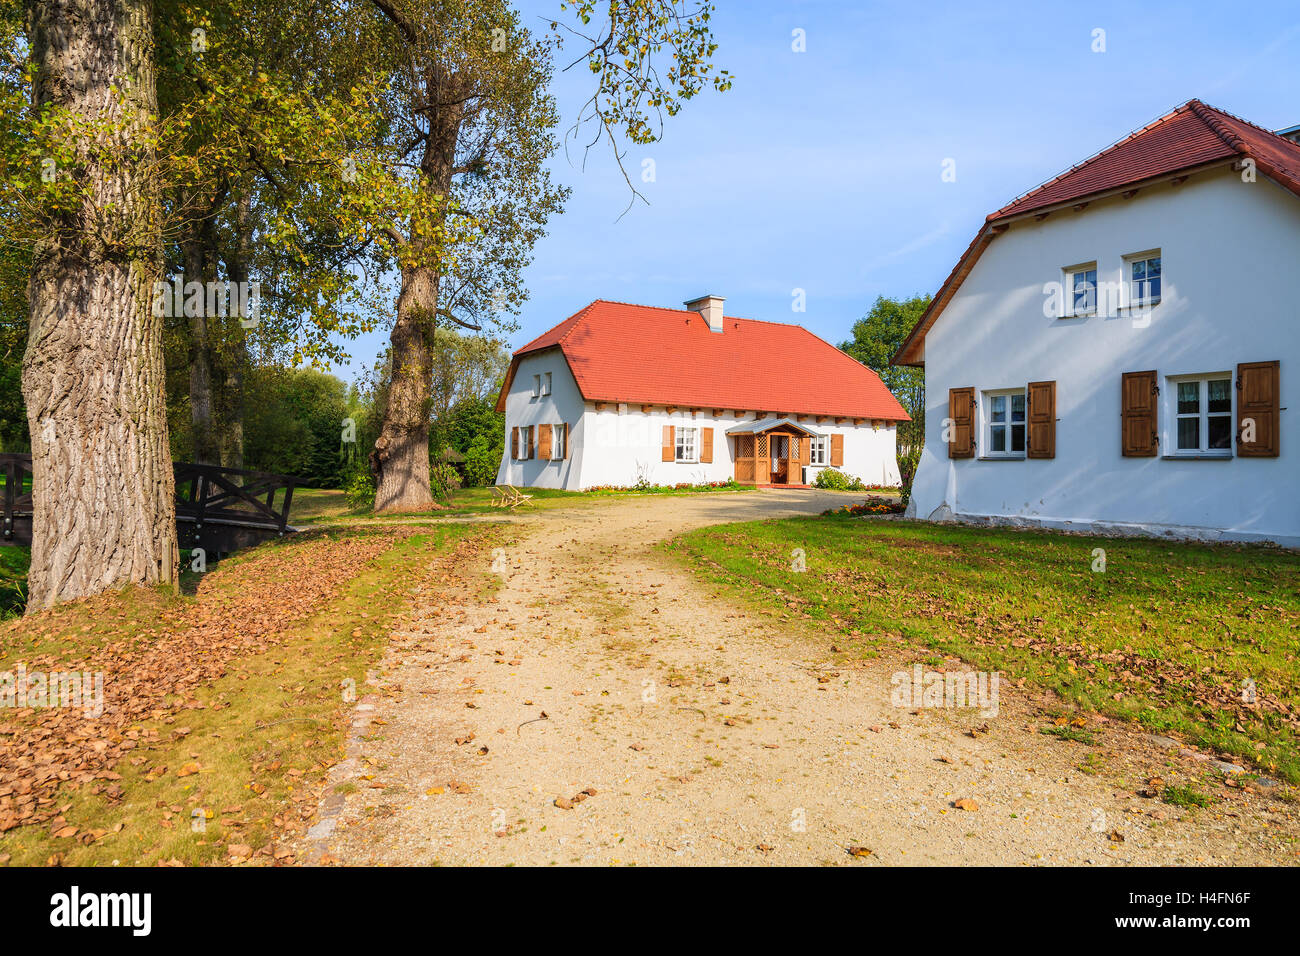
608	708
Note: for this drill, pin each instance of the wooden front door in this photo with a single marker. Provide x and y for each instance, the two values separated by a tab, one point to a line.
779	459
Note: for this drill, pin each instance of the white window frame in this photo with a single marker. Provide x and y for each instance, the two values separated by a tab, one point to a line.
1202	415
1130	284
819	451
988	425
546	383
1070	274
537	386
686	441
557	443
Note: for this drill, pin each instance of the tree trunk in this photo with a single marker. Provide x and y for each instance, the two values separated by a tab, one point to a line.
401	456
400	459
200	267
232	391
93	379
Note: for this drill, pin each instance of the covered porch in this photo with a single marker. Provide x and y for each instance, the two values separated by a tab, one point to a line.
771	452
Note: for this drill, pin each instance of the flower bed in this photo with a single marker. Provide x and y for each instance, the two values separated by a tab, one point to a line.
874	505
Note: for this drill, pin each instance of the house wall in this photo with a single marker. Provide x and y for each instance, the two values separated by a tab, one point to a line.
622	446
1229	251
564	404
619	445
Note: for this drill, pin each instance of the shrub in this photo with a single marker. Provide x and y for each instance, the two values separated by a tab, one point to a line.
443	480
907	472
833	480
359	489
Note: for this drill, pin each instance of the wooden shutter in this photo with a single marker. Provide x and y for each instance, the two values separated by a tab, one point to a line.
961	409
514	443
1041	433
670	443
706	445
1259	398
544	441
566	440
837	451
1138	414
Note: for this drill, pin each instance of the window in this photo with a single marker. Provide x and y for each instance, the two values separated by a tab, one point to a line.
525	443
1203	415
1005	420
1144	279
821	448
687	444
546	384
537	386
557	442
1081	290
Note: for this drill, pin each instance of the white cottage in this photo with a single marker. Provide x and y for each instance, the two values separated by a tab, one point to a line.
621	393
1117	349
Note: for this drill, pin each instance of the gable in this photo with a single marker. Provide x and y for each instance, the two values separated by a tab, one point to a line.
1192	139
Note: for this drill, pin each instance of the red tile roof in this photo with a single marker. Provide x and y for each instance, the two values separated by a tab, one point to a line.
1192	136
646	355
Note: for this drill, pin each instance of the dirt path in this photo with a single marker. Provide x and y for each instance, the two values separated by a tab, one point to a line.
705	736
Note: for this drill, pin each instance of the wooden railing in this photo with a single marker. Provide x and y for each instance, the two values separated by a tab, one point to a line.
217	509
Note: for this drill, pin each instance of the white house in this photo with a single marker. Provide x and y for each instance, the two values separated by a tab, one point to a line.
619	393
1117	349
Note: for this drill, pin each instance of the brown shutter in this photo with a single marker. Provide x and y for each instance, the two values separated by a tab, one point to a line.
1041	434
706	445
961	409
544	441
1259	398
837	451
566	440
670	443
514	443
1138	415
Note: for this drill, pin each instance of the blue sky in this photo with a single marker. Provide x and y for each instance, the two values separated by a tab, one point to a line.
821	170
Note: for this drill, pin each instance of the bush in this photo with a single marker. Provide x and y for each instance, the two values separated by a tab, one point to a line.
359	489
907	472
443	480
833	480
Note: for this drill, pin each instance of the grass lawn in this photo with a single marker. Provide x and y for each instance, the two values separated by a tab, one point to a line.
1168	634
312	505
14	562
231	758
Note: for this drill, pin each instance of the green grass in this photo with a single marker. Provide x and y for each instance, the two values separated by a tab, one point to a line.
14	562
1185	797
1167	635
263	735
313	505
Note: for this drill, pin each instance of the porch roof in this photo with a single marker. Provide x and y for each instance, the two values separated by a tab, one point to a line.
766	424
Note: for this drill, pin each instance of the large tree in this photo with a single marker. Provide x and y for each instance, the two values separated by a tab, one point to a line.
479	134
103	508
876	338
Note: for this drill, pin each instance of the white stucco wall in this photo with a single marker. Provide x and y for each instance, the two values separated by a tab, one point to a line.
564	404
619	445
1229	251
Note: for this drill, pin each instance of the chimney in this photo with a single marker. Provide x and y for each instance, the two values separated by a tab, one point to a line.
709	306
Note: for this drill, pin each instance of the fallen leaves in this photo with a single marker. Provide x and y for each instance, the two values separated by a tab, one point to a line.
965	803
